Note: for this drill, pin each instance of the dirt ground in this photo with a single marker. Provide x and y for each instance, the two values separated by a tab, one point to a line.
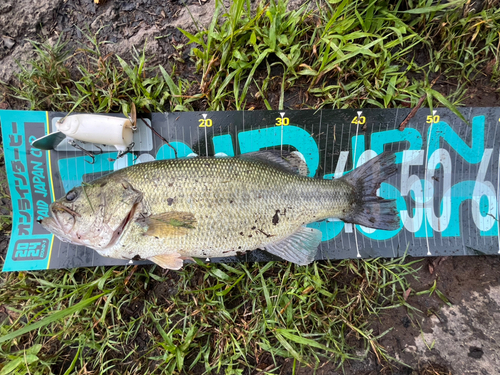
460	338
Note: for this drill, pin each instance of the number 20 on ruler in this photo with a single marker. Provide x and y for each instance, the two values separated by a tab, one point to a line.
205	123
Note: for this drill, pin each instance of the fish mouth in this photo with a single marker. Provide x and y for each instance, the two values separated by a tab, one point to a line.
118	233
53	224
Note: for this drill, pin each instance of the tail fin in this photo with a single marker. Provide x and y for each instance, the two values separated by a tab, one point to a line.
369	209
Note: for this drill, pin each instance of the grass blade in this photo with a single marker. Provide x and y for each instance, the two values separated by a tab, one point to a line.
50	319
433	93
304	341
435	8
73	362
289	347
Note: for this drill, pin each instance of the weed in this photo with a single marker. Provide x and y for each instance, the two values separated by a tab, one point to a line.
47	75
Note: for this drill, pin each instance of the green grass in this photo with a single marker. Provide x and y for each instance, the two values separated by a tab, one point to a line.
239	318
341	54
218	317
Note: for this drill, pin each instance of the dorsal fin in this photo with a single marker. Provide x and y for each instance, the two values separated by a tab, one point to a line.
292	162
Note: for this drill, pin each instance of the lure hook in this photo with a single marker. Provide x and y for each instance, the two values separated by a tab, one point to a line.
125	152
86	152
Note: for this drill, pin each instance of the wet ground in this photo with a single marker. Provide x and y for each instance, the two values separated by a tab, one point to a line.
125	24
432	337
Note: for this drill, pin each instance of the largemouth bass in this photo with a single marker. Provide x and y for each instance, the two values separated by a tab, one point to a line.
171	210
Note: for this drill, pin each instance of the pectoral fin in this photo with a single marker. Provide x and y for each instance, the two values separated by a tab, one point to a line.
169	224
172	261
300	248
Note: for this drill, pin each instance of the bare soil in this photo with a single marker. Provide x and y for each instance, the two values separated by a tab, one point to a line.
436	339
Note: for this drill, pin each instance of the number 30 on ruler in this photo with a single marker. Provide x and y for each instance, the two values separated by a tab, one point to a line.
282	121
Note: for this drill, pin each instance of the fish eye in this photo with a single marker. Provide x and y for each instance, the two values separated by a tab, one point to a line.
71	196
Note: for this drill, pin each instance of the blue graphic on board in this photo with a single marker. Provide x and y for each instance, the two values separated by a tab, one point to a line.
255	140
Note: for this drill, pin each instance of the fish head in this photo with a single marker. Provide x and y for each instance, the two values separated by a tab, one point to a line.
94	215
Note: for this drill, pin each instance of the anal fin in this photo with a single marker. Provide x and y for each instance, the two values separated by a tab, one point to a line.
172	261
299	248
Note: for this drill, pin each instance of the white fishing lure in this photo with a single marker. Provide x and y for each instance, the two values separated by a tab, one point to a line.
91	128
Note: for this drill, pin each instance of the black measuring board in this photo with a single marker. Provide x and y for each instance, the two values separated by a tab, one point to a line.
447	186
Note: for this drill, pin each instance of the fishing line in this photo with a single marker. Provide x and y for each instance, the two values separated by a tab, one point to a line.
159	136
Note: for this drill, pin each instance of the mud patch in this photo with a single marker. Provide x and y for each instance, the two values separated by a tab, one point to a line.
466	335
432	337
161	291
142	24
